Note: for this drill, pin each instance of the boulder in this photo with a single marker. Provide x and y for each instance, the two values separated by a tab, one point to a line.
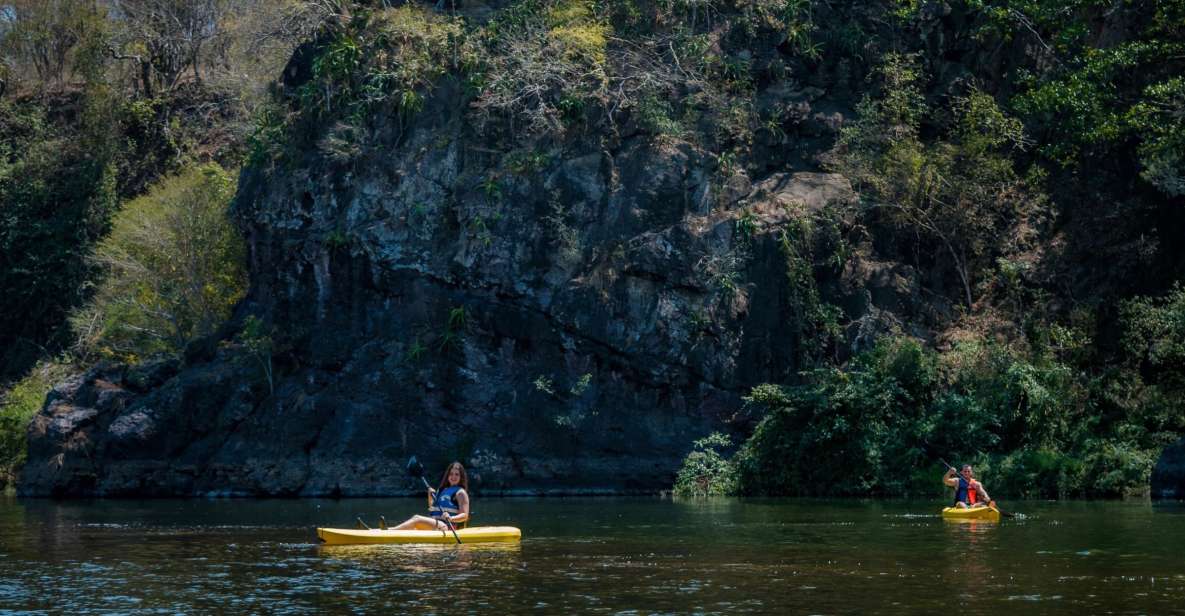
1168	476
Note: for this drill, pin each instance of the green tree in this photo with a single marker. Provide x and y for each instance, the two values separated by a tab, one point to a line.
50	41
959	194
173	267
57	192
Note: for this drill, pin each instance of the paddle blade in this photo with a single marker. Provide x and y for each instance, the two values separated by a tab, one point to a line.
1006	514
414	468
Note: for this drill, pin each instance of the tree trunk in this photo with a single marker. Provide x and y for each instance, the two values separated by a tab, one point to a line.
194	59
146	77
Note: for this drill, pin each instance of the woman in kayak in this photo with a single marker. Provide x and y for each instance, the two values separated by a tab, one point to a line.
448	504
968	491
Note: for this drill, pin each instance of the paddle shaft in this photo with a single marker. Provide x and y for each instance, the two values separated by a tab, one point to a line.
449	523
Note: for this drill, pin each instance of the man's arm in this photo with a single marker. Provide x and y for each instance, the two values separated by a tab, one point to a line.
982	492
949	478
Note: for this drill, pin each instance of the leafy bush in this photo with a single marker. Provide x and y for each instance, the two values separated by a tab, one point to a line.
959	194
17	406
846	432
1154	335
1160	120
1032	425
539	57
174	269
706	471
392	56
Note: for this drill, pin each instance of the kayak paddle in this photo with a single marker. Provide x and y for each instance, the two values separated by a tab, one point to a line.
415	469
1006	514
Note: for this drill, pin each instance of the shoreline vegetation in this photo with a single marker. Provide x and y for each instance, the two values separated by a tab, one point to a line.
1022	160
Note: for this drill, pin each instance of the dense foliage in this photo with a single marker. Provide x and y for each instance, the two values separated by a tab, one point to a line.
707	470
1033	423
57	193
173	268
1036	418
1042	191
97	101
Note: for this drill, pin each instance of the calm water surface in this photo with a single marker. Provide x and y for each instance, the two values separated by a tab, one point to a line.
596	555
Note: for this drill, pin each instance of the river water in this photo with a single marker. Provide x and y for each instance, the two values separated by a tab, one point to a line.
595	556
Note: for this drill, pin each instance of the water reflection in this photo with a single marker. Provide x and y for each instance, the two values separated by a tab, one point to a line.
415	558
593	556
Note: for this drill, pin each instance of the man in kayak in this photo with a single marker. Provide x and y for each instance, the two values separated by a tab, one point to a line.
968	491
447	505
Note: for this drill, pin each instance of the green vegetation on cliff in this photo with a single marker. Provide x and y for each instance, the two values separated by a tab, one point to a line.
1032	416
1000	186
98	102
18	405
173	267
1019	160
58	192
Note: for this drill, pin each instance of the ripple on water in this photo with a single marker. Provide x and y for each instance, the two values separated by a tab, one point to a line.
793	557
12	594
1033	598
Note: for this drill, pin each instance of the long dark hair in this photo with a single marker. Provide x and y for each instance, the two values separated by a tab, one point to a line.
464	483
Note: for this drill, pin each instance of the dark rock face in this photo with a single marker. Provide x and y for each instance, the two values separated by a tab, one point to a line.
571	328
1168	477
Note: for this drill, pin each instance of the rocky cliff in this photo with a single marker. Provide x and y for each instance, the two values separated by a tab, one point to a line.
562	245
564	326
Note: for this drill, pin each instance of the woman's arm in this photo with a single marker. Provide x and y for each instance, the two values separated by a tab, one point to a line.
463	504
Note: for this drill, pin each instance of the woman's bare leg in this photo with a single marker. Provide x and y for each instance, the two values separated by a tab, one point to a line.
417	522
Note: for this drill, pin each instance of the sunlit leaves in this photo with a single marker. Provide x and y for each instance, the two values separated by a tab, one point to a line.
173	269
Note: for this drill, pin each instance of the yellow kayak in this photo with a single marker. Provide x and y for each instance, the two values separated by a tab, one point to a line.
477	534
973	513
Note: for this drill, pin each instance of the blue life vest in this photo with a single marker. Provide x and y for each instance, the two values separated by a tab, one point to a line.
446	501
965	491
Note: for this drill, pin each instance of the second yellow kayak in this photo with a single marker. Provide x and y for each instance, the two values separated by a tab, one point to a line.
972	513
477	534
